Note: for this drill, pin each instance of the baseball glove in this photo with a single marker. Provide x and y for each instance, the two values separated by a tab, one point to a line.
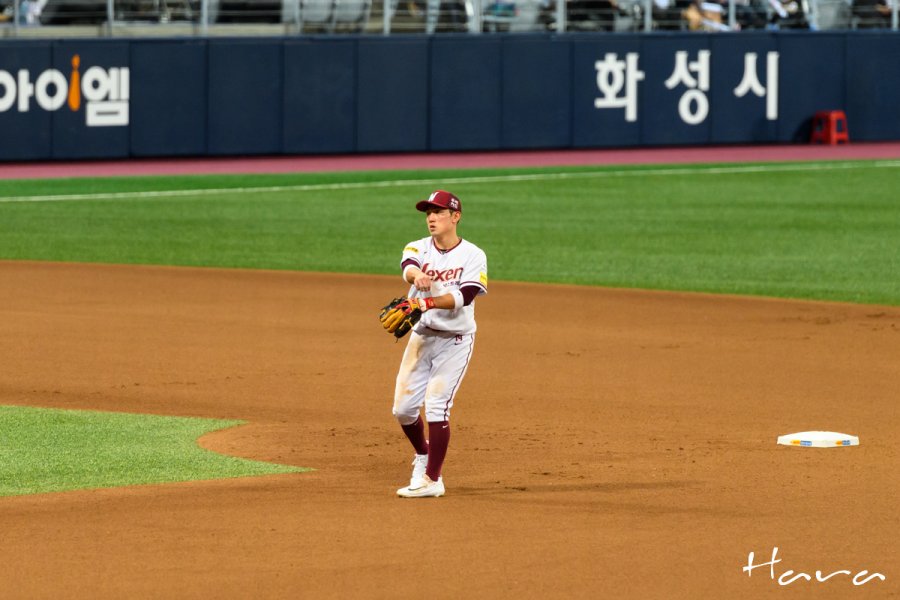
400	315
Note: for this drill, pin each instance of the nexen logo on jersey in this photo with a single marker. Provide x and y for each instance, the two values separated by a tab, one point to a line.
106	92
445	275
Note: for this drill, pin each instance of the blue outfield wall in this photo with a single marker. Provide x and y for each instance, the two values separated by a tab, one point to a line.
73	99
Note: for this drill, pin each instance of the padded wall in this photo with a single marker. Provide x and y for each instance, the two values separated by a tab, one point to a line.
74	99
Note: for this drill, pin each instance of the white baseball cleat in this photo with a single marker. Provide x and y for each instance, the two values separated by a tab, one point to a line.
419	462
426	489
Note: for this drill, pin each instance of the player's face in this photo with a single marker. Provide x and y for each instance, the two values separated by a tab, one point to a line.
440	220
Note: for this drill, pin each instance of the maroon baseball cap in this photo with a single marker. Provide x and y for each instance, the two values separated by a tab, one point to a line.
440	199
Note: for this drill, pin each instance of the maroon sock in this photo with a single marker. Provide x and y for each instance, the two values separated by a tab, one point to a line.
438	440
416	434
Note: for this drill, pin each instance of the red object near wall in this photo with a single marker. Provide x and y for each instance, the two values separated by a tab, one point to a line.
829	127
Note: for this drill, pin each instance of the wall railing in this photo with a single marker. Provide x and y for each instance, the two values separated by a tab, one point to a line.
135	18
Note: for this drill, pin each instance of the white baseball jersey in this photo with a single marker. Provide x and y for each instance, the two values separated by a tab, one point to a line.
464	265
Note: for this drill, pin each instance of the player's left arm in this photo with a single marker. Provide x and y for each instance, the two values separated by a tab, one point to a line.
473	281
475	273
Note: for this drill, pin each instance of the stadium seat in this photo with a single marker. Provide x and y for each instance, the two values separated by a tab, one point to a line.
352	12
318	13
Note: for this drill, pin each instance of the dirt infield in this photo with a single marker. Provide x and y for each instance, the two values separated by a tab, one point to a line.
624	451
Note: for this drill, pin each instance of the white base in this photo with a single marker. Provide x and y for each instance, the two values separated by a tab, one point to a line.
818	439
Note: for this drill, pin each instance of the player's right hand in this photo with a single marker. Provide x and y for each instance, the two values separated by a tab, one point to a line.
422	282
411	305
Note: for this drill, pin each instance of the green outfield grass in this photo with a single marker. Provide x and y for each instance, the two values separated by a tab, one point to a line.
804	230
47	450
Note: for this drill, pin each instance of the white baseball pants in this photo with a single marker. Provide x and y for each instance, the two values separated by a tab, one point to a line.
433	366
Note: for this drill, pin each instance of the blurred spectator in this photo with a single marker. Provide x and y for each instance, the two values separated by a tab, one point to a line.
452	17
872	14
503	9
439	16
32	10
706	16
788	14
592	15
750	14
668	15
29	12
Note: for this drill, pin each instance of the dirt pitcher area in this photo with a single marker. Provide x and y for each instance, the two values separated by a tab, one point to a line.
606	443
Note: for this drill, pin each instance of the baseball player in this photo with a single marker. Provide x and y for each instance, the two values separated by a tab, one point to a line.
446	274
